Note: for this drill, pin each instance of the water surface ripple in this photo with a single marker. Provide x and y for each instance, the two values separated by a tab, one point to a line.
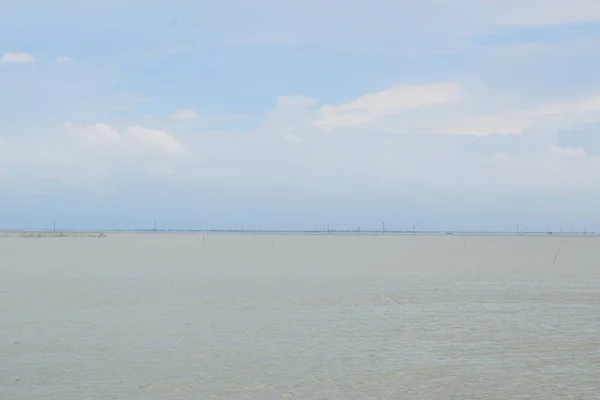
159	316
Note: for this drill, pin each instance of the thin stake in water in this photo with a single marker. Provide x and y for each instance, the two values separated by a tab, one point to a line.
559	247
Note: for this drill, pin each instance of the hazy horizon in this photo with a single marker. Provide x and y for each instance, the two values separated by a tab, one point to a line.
331	231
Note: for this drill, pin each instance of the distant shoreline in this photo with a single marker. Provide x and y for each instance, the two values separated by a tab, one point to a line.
104	233
52	234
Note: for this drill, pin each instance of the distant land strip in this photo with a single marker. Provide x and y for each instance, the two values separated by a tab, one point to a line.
103	233
56	234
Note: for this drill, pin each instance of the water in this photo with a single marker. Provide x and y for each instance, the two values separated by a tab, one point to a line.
153	316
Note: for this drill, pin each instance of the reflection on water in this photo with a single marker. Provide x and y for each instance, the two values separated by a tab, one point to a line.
299	317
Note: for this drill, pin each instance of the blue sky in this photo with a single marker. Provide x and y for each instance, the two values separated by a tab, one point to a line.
442	114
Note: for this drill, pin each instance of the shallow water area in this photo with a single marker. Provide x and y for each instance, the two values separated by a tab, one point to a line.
251	316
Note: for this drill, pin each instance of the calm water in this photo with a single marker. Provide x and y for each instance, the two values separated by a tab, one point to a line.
299	317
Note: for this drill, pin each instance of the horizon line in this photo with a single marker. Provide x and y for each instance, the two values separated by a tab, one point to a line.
313	231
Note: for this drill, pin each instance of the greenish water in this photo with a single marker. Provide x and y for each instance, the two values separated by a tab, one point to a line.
159	316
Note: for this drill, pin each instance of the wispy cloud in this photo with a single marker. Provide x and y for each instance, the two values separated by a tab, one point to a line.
16	58
184	114
530	12
392	101
64	60
132	139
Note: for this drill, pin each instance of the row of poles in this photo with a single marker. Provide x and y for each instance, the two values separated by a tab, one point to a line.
358	228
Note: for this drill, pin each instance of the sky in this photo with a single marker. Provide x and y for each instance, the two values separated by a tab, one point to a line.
439	114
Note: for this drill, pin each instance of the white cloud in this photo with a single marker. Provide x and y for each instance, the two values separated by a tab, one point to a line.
184	114
97	133
63	60
406	27
134	140
289	149
342	161
154	139
223	118
389	102
534	12
16	58
566	152
448	109
557	114
407	136
291	108
561	109
91	157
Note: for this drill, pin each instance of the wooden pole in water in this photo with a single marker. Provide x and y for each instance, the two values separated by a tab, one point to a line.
54	228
